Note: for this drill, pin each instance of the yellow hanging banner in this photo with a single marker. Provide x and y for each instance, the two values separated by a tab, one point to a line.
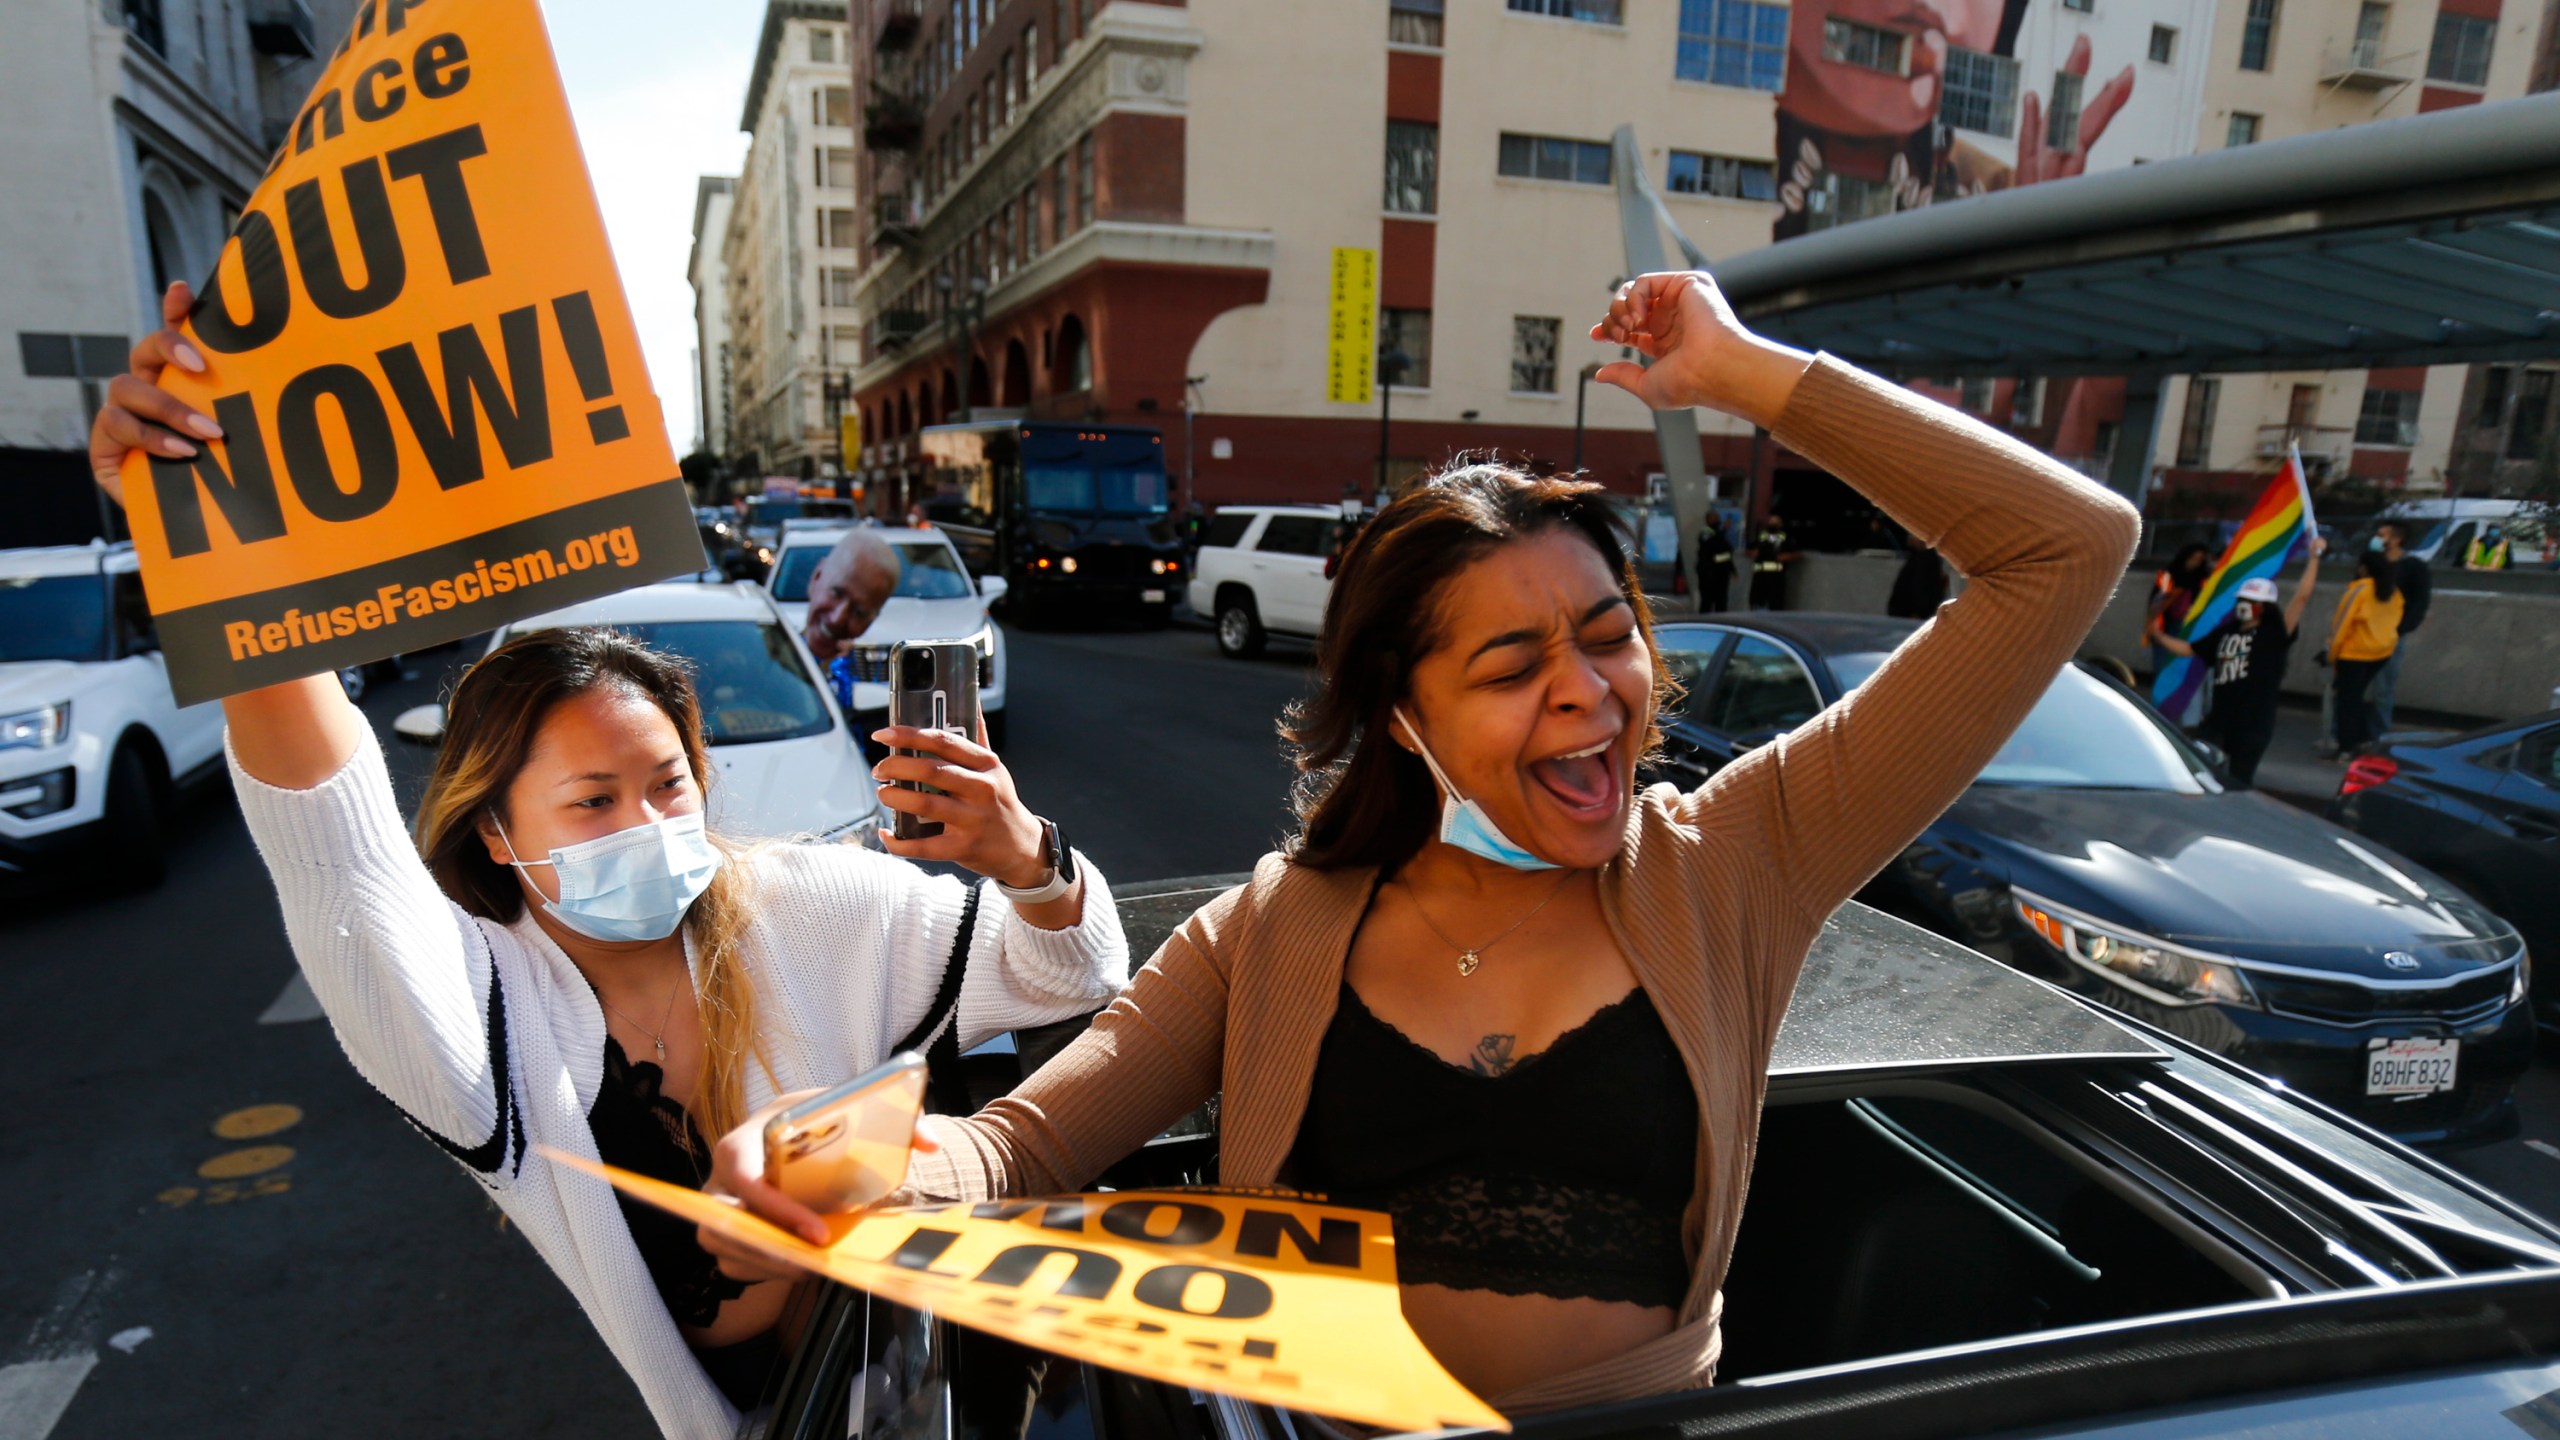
1268	1298
435	416
1351	352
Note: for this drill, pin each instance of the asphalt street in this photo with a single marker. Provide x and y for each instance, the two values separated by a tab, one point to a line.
219	1230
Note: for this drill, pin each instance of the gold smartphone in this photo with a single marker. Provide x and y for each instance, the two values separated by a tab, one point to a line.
848	1147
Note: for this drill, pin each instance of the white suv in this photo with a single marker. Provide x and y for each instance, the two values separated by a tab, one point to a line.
92	745
1261	572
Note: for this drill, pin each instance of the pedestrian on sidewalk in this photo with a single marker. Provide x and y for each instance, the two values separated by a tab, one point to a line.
2417	589
566	955
1770	558
2247	654
2362	634
1715	566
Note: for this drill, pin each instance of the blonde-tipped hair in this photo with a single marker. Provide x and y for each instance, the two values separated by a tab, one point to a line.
495	716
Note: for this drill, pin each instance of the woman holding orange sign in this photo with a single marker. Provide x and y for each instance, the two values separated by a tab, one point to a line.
1491	988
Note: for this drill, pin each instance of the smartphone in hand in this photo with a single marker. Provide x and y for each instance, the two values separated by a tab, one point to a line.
848	1147
933	685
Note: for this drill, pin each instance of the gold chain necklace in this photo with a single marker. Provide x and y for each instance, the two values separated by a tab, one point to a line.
1470	958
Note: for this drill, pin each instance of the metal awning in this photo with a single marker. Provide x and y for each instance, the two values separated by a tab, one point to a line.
2431	240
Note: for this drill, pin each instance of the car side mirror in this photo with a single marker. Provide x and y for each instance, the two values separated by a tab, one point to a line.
420	725
992	587
2215	756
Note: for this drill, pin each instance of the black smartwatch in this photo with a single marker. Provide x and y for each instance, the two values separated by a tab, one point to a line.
1062	870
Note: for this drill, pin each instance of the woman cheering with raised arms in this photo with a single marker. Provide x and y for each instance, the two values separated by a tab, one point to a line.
1491	988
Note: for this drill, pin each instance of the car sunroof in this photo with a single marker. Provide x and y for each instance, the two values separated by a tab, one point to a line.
1880	993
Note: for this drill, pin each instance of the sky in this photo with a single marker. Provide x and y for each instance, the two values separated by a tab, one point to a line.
655	87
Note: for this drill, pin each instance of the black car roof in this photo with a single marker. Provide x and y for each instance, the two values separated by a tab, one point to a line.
1876	994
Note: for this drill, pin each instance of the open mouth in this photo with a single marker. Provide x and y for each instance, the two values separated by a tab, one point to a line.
1585	782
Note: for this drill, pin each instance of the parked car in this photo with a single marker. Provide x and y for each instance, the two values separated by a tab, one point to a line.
2440	532
93	746
935	600
1261	572
2481	809
2100	850
787	757
1980	1205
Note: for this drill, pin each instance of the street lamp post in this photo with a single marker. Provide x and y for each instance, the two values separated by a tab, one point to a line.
835	390
1581	397
1391	368
1190	456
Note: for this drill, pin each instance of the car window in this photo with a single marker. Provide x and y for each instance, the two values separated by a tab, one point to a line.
1295	535
2538	757
1225	529
135	634
53	617
750	678
2457	546
793	569
2084	732
1761	688
1687	654
930	571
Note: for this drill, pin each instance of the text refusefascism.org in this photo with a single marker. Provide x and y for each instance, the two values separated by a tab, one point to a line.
484	580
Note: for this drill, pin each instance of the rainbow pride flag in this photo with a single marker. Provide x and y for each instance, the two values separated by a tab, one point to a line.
2275	526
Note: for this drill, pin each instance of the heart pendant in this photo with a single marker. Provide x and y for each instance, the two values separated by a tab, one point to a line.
1468	960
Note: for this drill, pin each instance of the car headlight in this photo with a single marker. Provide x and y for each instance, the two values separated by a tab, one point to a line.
35	729
2524	976
2152	969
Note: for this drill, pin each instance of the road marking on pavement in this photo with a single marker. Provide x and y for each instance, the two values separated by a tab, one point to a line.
57	1356
2545	1146
293	1004
240	1164
257	1121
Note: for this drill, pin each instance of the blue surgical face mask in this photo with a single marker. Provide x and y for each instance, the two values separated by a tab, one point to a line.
633	884
1464	824
2375	545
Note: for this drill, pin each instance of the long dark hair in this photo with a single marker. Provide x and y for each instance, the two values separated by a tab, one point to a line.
493	717
1362	799
2371	566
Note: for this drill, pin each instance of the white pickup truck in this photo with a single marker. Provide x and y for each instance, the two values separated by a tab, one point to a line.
92	744
1261	573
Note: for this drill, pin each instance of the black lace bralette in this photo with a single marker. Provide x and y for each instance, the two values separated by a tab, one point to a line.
1565	1174
639	1129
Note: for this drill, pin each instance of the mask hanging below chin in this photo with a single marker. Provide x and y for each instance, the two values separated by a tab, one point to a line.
1464	824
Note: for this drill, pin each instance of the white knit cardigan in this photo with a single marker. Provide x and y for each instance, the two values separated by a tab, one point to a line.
490	1041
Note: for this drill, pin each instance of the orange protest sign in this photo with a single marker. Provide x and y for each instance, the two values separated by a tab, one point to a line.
1267	1298
435	414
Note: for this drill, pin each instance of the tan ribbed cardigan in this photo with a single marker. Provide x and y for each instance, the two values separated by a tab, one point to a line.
1714	898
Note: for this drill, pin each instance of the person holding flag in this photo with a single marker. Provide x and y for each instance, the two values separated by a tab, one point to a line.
2279	521
2247	655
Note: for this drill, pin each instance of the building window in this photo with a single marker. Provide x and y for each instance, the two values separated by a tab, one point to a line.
1065	26
2083	6
1979	92
844	346
142	19
2062	120
1404	348
2195	428
2244	129
835	168
1084	181
2026	403
1544	157
2388	417
1060	217
822	46
1695	174
836	231
1413	168
2461	53
1843	199
2494	381
2533	411
841	282
1732	42
1533	353
2164	44
1414	22
1031	237
2257	34
1030	56
1592	12
1851	43
1973	395
832	105
1006	66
